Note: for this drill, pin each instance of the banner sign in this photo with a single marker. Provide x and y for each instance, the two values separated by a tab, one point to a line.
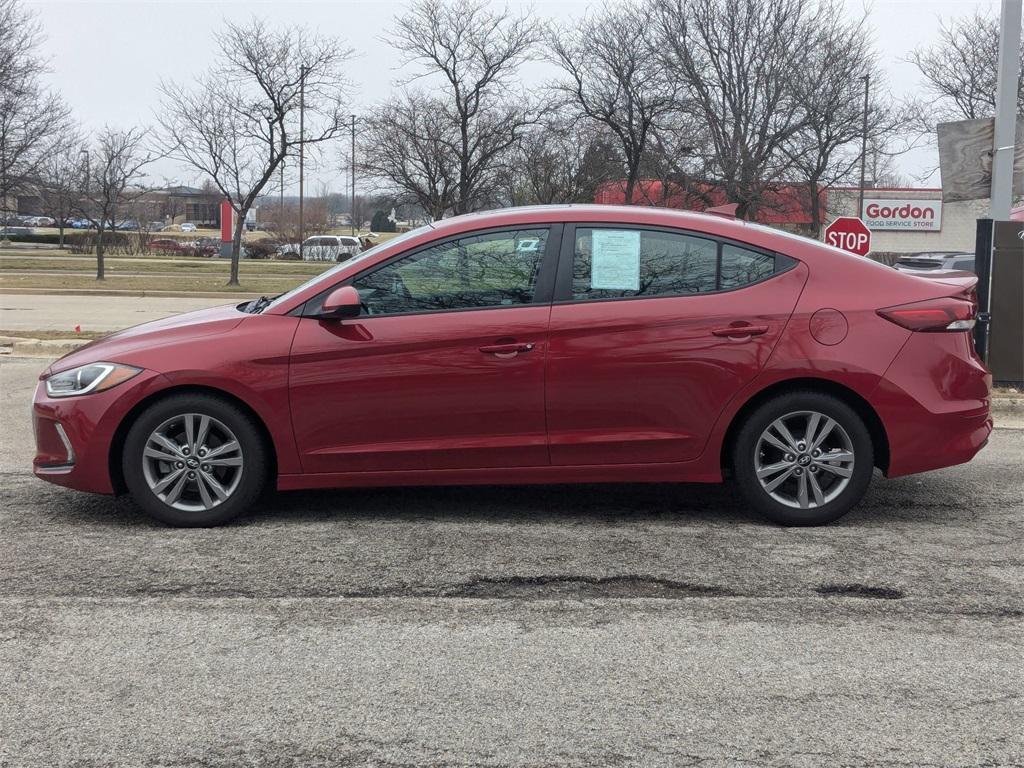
965	159
903	214
227	222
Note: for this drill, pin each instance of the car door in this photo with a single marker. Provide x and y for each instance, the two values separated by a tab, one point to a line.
444	369
312	249
652	332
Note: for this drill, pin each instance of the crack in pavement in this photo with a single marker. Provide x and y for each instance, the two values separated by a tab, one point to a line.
859	590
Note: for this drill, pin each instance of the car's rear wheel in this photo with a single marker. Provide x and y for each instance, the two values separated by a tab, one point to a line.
803	458
194	460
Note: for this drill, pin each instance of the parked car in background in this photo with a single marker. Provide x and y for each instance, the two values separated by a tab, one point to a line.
931	261
181	247
188	227
39	221
323	248
537	345
167	245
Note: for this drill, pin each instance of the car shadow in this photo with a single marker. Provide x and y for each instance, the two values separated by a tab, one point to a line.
519	504
885	502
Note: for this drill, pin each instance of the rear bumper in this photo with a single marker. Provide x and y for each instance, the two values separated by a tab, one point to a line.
934	403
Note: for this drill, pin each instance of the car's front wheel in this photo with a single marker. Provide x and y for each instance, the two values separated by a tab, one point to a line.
803	458
194	460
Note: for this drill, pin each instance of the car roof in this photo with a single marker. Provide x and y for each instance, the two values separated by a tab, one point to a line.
715	225
708	224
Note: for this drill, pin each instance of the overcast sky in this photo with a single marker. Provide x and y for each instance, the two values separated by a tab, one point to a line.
107	58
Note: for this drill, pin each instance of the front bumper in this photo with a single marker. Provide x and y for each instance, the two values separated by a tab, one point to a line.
74	435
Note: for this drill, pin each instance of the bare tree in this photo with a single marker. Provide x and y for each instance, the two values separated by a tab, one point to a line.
826	150
59	178
410	146
563	161
112	181
737	60
612	80
464	133
239	121
959	70
30	116
283	223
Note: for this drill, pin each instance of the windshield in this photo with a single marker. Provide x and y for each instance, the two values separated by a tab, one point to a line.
325	277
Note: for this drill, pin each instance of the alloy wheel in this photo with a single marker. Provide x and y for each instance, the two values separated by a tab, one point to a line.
804	459
192	462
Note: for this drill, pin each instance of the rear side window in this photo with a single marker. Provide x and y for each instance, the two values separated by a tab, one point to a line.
625	263
619	263
741	266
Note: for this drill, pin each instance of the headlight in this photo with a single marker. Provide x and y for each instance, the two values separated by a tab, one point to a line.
95	377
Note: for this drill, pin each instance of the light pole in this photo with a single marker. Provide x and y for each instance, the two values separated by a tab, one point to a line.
352	217
863	146
3	190
270	125
1004	138
303	69
85	170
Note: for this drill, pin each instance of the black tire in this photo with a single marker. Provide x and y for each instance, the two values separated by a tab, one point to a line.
749	449
253	452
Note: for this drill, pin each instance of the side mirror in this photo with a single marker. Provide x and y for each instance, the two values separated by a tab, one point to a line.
343	302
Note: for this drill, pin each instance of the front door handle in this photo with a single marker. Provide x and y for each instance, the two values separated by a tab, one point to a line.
740	331
506	350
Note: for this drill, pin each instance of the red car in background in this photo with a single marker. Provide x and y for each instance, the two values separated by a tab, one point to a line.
181	247
536	345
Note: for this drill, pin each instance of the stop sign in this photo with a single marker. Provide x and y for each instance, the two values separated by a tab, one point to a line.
849	233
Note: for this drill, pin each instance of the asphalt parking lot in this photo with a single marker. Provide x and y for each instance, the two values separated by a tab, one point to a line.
593	626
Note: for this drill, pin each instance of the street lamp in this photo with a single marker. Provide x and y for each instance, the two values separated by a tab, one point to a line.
352	215
84	153
866	77
303	71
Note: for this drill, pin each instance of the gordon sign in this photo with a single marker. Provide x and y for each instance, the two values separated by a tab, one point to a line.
922	215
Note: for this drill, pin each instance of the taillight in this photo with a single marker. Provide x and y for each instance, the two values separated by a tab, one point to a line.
947	314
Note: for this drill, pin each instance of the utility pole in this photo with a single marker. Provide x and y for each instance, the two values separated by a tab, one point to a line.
302	152
270	124
1006	108
863	146
3	190
352	216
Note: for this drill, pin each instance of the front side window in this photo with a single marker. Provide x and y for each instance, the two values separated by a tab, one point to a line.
620	263
494	269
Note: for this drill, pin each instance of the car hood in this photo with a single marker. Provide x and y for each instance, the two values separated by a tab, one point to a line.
118	346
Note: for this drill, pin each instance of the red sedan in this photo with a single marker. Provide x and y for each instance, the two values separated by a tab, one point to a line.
538	345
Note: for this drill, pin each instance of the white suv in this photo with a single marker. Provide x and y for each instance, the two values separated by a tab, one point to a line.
324	248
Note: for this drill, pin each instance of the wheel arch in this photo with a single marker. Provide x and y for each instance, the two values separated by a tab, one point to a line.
121	433
864	409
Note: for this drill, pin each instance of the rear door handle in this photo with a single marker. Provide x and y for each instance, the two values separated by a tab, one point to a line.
506	350
740	331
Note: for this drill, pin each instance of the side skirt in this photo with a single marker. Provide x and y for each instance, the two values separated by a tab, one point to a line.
683	472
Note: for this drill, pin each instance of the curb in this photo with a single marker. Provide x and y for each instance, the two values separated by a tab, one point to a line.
19	347
1013	404
228	297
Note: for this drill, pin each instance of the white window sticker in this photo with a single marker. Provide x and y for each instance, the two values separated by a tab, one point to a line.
615	263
